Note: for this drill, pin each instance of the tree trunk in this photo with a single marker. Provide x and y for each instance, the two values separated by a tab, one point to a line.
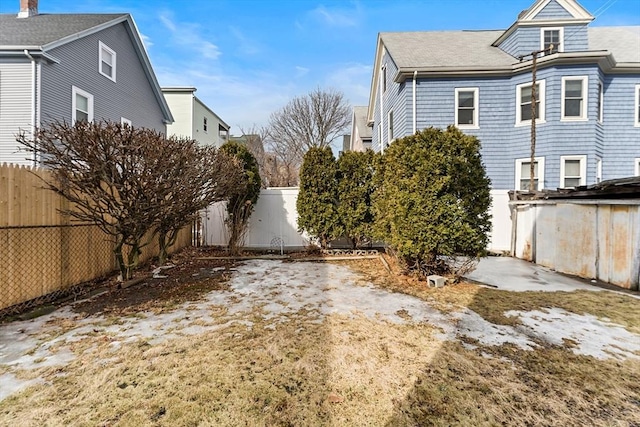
117	250
162	247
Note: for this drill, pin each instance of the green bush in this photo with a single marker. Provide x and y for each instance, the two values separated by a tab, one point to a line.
317	202
241	203
355	187
432	199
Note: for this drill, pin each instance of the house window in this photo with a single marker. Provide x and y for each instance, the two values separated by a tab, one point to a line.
551	40
107	62
523	173
466	107
82	105
390	123
574	98
204	124
636	166
600	102
573	171
524	99
384	78
598	170
124	121
637	107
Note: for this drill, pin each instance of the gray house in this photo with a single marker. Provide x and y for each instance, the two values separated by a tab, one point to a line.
587	108
73	67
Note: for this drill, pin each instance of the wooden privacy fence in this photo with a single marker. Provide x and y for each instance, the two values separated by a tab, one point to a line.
42	254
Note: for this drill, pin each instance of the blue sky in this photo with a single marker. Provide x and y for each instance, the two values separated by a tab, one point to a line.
248	58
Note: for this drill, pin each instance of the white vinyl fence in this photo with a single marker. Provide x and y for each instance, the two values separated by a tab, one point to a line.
273	224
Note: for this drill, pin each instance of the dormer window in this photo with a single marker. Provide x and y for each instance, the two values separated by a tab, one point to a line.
551	40
107	62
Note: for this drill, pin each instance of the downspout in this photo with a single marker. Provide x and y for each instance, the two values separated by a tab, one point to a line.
415	124
33	97
381	133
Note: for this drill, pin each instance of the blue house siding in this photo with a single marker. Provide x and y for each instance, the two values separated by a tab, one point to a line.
552	11
621	137
130	96
503	141
524	41
393	99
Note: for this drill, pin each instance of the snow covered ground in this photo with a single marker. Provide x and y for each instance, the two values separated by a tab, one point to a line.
281	290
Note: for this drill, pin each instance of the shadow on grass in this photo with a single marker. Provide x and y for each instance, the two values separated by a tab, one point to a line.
471	384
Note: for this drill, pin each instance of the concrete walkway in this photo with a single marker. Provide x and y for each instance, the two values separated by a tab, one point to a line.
514	274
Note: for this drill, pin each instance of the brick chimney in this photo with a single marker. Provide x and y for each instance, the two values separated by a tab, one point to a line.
28	8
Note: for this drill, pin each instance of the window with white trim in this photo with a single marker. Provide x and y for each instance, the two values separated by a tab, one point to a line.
107	61
390	127
636	166
384	78
524	101
637	107
124	121
573	171
598	170
523	173
574	98
552	40
600	102
466	114
82	105
204	124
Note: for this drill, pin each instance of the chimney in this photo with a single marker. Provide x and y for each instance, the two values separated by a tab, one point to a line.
28	8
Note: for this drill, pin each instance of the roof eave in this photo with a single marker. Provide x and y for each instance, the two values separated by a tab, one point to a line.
148	69
222	122
35	52
603	58
374	78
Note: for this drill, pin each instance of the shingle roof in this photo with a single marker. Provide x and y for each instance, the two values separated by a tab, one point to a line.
446	49
622	42
360	114
473	49
40	30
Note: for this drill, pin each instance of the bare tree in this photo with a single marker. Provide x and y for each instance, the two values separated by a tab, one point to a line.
199	176
254	139
313	120
109	173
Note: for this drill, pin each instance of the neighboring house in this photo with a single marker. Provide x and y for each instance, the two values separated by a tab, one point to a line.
193	119
73	67
360	132
588	104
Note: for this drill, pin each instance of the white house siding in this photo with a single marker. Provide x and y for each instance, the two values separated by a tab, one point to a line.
16	109
212	135
131	96
181	106
525	40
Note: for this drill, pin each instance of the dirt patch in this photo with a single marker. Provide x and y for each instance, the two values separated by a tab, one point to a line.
189	280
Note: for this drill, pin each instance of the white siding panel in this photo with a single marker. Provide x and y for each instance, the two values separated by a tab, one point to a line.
15	109
181	106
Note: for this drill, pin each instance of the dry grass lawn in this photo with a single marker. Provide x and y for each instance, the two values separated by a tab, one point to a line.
340	370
